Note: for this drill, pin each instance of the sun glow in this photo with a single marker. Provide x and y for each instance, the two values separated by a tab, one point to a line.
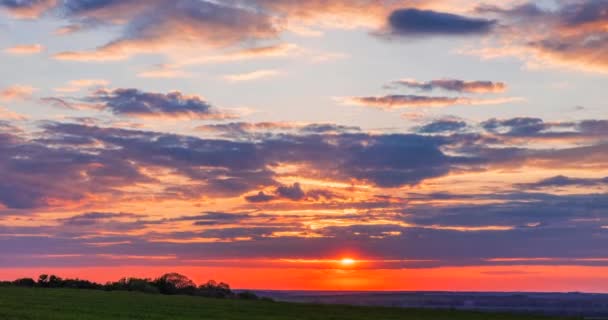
347	262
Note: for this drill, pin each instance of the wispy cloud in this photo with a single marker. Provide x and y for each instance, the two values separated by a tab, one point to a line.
25	49
452	85
417	101
17	92
78	85
6	114
254	75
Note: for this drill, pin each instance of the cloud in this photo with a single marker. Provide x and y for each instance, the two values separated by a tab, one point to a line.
236	129
415	22
346	194
136	103
466	229
344	156
454	85
251	76
564	181
94	218
69	162
9	115
515	126
27	9
78	85
17	92
25	49
571	34
164	72
526	129
247	128
257	52
166	24
37	174
443	126
291	192
191	27
453	235
260	197
397	101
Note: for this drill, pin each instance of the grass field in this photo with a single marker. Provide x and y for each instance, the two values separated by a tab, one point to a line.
47	304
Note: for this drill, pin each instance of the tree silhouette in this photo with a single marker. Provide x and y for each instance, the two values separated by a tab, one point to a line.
175	283
170	283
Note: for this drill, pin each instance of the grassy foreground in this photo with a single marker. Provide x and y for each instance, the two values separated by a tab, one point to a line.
47	304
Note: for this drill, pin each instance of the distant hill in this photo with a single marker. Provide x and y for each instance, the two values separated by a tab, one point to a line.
573	304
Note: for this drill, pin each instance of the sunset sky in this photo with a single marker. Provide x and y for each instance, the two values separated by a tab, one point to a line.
319	144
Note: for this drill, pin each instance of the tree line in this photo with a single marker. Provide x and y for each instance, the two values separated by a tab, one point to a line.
169	284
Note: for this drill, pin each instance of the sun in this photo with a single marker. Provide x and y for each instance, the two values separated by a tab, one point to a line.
347	262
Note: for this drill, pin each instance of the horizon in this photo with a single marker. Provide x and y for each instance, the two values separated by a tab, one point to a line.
202	281
347	145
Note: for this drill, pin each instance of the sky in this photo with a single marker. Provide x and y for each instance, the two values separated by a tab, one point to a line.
318	145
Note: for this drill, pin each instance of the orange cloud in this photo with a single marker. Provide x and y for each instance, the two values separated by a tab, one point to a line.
408	101
77	85
251	76
30	9
25	49
17	92
6	114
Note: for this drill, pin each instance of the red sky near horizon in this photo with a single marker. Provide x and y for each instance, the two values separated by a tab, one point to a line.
441	145
489	278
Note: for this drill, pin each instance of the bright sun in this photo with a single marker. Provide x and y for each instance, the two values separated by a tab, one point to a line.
347	262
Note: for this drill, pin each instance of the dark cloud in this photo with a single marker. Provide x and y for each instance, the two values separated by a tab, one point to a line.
70	162
93	218
27	8
443	126
38	173
216	218
327	128
571	33
136	103
243	128
536	128
404	101
564	181
50	168
260	197
454	85
593	127
415	22
525	10
16	4
155	24
292	192
516	126
75	7
561	228
238	129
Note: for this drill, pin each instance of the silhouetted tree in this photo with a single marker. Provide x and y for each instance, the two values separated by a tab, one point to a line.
175	283
25	282
247	295
214	290
43	280
133	284
79	284
170	283
55	281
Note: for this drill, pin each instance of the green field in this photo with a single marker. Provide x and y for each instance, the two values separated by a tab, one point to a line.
43	304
